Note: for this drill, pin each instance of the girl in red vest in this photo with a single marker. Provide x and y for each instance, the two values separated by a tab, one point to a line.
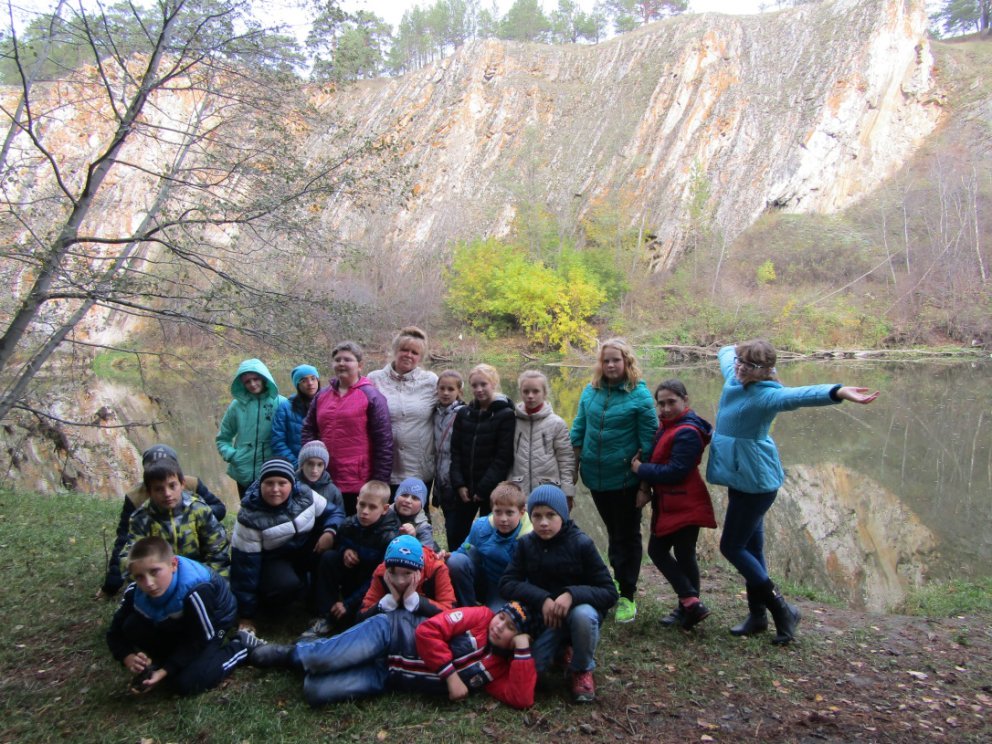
680	502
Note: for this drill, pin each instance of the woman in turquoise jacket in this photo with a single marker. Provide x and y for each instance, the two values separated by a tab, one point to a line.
615	421
245	431
744	458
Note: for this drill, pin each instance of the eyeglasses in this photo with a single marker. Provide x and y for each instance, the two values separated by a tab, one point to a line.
748	365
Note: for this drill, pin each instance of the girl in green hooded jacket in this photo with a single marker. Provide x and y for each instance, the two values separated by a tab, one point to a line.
245	431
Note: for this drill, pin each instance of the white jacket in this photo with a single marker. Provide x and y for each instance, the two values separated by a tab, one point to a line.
411	398
542	451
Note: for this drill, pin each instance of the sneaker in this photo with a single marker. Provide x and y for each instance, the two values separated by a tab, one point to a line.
672	618
626	610
272	656
248	639
693	615
320	628
583	687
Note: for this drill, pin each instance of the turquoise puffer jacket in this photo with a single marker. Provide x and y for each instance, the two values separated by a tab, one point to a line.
245	431
611	426
742	453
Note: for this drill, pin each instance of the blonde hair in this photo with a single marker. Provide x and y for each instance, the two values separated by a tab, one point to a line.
631	369
408	334
508	493
376	488
533	374
757	358
487	371
455	375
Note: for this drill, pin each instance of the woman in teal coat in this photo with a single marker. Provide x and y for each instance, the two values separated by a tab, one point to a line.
616	420
245	431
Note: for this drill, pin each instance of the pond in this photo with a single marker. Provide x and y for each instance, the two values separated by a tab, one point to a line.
878	498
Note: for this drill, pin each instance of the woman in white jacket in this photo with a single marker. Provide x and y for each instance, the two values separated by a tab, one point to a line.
411	393
542	450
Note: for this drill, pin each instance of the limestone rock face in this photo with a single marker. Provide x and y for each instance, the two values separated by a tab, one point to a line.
803	110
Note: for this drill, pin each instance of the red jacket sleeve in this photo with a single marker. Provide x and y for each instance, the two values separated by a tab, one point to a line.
435	634
516	687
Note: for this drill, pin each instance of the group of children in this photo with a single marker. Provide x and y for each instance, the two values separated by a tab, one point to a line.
526	589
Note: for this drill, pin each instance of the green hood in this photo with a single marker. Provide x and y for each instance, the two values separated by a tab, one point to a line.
238	391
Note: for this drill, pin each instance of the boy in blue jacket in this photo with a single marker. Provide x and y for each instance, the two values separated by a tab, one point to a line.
172	622
478	565
557	572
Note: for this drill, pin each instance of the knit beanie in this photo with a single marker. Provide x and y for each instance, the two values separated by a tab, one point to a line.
302	371
316	449
158	452
405	552
414	487
277	469
518	614
548	495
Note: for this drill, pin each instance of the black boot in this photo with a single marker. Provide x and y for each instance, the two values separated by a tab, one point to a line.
786	616
672	618
757	619
273	655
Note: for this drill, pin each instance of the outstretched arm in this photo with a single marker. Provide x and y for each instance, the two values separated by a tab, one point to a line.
856	394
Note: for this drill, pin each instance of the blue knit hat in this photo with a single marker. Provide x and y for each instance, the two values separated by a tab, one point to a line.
315	449
519	614
415	487
405	552
302	371
548	495
277	468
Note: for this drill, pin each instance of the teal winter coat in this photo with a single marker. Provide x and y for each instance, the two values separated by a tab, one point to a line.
743	455
245	431
611	426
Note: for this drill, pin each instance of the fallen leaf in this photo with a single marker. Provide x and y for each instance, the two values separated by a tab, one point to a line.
918	675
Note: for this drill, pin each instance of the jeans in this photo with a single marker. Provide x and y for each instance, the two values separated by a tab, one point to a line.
743	539
469	578
681	571
349	665
580	629
623	529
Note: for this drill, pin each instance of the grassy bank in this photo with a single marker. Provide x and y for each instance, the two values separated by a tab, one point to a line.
852	676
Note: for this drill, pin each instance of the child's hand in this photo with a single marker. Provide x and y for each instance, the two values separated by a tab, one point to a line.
443	555
136	663
411	588
522	640
548	613
635	462
456	688
324	543
463	494
350	558
338	610
856	395
247	624
643	499
408	529
154	678
561	607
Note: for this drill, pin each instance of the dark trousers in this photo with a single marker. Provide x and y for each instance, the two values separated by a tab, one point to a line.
210	663
623	529
681	570
458	518
743	539
336	581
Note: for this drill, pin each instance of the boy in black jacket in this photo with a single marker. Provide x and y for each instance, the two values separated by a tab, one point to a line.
172	621
557	571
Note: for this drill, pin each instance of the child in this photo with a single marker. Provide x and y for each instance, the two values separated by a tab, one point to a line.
312	472
172	622
556	571
477	566
411	496
744	458
542	450
134	498
681	502
287	422
346	571
455	651
449	400
244	437
174	514
615	420
407	562
282	529
481	450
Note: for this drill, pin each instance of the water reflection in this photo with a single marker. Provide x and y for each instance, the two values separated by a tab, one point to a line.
878	498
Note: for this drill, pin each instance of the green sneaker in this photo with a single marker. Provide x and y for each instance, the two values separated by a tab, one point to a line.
626	610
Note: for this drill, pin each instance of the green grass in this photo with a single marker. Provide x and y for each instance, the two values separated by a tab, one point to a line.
950	598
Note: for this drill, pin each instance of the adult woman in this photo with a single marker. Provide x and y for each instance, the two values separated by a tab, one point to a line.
411	393
744	458
615	421
351	418
243	439
481	450
287	425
